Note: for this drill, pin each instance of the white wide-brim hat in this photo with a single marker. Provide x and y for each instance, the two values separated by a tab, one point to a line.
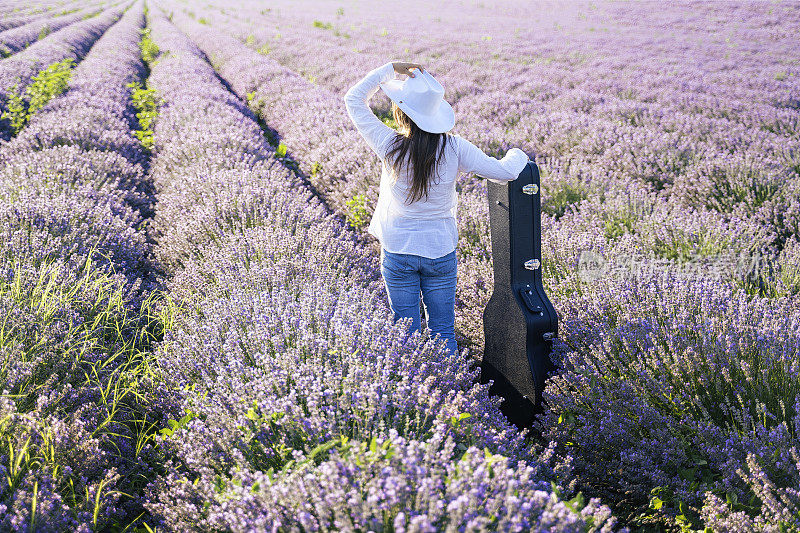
422	99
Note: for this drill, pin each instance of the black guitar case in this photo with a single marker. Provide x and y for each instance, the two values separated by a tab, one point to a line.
519	322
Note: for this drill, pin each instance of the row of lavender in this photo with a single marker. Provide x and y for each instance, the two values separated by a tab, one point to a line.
18	13
304	408
12	19
9	22
726	357
73	41
14	40
78	398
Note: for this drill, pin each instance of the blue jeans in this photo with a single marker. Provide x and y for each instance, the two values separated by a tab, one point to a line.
405	275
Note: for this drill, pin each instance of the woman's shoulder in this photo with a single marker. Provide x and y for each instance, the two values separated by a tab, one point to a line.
455	141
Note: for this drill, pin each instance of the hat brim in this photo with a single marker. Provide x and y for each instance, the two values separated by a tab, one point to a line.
443	120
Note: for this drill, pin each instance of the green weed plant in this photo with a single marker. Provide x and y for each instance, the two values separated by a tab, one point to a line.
46	85
357	214
146	102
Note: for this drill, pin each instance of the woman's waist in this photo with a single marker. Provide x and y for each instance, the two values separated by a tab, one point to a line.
437	204
397	218
432	226
416	236
427	211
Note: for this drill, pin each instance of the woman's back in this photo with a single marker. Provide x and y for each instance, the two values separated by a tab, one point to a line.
459	156
441	198
426	226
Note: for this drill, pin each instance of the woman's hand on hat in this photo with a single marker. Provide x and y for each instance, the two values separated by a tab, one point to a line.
405	68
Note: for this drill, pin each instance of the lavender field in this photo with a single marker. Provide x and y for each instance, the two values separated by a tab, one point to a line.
195	335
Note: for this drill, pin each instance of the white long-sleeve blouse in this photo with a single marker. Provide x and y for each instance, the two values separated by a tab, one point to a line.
426	227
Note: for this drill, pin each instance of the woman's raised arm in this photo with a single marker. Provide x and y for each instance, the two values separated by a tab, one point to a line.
375	132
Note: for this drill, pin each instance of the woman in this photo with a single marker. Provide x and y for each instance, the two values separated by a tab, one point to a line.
415	216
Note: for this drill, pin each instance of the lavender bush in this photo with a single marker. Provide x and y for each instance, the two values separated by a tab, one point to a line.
90	124
80	399
77	399
11	21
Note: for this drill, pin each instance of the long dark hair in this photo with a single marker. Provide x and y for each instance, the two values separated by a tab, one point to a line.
422	146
